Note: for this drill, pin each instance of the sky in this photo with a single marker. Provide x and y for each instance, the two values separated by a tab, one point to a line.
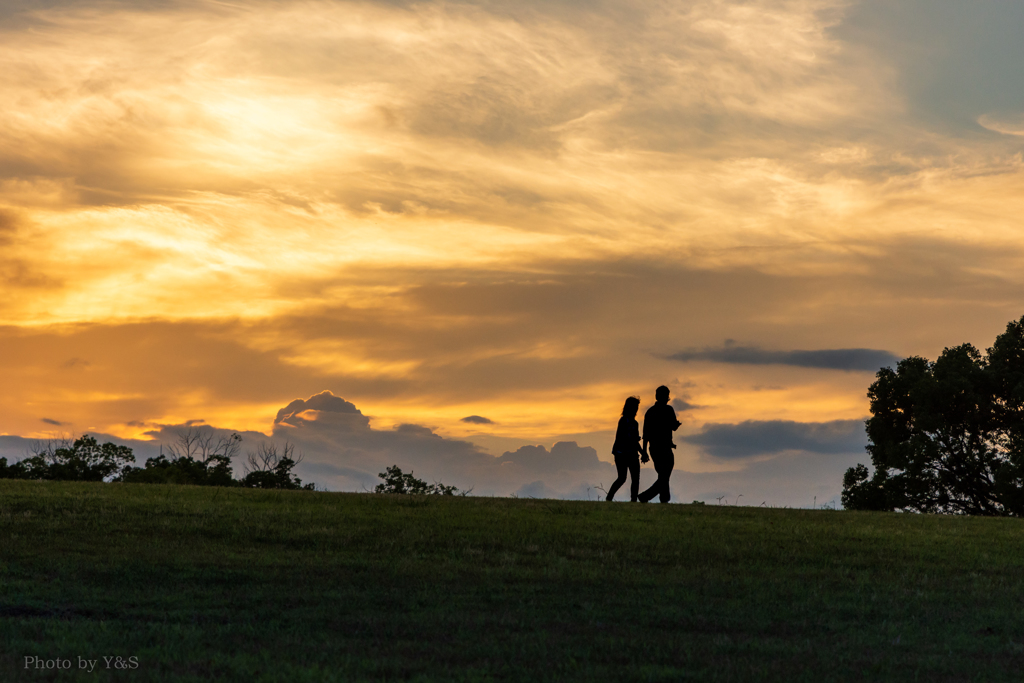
455	236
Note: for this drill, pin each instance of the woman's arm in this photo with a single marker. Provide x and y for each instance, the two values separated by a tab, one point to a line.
643	448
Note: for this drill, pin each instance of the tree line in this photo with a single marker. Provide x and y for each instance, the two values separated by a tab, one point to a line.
197	458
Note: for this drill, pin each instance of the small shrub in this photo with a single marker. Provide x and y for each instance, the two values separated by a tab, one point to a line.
396	481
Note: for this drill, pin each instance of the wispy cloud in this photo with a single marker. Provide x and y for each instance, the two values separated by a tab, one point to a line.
354	133
682	406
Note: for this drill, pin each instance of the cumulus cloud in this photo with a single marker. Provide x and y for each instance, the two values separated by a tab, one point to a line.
477	420
851	360
564	457
55	423
758	438
341	447
324	402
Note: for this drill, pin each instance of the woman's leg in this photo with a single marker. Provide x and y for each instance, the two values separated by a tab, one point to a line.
618	482
634	480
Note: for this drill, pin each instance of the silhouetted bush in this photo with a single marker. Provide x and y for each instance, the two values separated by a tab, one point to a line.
83	459
13	471
395	481
161	470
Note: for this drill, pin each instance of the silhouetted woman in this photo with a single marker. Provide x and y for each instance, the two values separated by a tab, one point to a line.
627	450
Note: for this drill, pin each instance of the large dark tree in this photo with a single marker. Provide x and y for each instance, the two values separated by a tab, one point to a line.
947	436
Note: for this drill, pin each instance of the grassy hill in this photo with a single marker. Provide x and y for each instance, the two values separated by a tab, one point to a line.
205	583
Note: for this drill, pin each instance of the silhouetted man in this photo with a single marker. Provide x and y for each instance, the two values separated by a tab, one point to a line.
659	423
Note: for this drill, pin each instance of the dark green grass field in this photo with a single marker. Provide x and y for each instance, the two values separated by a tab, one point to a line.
203	584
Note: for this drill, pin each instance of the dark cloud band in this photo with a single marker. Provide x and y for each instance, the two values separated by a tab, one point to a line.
868	360
753	438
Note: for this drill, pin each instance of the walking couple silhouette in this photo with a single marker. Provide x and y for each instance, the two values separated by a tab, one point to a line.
659	423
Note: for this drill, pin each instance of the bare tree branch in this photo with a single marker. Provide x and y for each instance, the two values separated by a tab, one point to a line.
201	445
266	457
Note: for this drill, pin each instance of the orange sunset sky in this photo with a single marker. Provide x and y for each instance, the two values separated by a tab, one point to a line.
519	212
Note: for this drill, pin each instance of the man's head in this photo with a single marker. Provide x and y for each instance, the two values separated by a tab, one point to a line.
661	393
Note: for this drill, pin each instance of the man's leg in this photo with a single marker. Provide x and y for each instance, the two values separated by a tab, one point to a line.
668	463
650	493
